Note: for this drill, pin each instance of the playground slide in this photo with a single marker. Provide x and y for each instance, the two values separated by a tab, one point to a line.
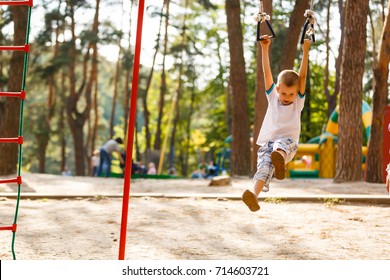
317	158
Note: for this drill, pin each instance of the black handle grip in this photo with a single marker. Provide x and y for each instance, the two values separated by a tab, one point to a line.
259	31
305	27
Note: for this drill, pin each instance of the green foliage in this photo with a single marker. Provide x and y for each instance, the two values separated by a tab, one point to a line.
204	58
331	202
88	37
314	115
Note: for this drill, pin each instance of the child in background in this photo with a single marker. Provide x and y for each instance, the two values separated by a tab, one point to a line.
152	169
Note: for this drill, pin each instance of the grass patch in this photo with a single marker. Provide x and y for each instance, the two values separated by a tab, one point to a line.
329	202
275	200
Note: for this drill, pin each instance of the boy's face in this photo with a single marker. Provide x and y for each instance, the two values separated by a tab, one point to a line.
287	94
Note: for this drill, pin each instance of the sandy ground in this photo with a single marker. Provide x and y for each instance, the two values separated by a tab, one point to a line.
202	223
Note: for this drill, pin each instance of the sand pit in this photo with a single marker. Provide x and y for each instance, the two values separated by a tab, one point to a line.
194	228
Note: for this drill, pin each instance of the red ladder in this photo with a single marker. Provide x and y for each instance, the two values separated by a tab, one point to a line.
21	95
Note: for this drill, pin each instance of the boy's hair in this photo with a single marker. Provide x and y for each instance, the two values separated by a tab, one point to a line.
289	78
119	140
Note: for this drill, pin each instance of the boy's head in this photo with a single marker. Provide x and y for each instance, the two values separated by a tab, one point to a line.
288	86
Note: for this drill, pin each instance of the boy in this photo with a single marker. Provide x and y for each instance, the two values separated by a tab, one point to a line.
279	135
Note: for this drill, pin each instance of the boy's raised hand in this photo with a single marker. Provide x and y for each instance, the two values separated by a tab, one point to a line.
265	41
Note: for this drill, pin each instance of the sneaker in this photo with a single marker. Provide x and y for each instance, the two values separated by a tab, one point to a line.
278	161
251	201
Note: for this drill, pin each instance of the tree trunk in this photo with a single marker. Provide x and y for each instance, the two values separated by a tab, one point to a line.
381	75
44	137
327	40
179	88
240	155
332	99
297	20
116	81
61	123
229	106
73	117
127	89
95	107
77	119
126	102
9	107
2	82
261	102
92	85
163	88
373	38
185	155
92	127
148	83
349	154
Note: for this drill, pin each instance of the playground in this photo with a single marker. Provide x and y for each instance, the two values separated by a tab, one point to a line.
306	216
78	218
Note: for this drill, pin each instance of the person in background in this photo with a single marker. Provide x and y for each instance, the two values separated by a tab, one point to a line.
142	168
66	172
95	161
199	174
172	171
211	170
106	156
152	169
202	166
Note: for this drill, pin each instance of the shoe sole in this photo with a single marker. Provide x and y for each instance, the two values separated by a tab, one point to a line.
278	162
251	201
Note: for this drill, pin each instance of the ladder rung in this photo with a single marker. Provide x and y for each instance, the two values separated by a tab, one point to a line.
18	140
17	3
13	228
25	48
17	180
21	94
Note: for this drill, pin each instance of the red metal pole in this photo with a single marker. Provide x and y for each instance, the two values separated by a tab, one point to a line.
130	134
18	3
25	48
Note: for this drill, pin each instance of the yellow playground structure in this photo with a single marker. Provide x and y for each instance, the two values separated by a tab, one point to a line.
317	158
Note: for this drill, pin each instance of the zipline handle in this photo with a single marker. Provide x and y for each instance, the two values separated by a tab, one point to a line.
260	17
259	36
306	30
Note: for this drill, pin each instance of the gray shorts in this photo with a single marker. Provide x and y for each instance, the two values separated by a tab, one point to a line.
265	168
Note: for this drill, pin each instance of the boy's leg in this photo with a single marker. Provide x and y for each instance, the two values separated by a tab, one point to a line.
250	198
284	151
279	162
261	178
258	187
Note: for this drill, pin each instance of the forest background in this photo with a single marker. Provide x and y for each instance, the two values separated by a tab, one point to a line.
200	58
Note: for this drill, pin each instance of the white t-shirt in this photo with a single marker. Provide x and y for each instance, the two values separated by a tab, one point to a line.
110	146
281	121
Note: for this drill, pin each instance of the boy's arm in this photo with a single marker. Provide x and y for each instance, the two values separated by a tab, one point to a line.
268	80
304	65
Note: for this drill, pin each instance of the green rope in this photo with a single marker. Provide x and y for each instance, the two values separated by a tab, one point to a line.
25	66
